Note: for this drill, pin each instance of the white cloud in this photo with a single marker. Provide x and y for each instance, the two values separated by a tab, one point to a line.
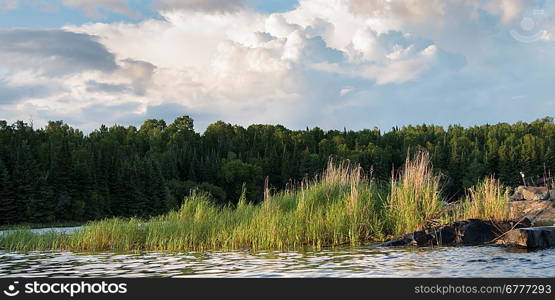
393	71
208	6
508	9
346	90
328	63
178	41
366	45
416	11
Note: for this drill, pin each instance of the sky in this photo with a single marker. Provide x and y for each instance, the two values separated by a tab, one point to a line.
329	63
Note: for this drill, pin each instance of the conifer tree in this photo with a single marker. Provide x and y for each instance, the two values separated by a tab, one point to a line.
7	197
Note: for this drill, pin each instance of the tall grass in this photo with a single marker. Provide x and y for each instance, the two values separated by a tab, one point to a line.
338	209
341	207
415	196
25	240
488	200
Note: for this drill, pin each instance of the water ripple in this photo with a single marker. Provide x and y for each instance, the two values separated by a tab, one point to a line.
486	261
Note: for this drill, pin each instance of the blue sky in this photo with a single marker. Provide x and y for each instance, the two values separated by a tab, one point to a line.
53	13
333	64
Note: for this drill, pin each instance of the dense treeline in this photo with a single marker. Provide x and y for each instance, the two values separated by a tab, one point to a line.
60	174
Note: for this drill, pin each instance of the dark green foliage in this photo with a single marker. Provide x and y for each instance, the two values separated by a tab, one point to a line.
7	197
237	175
182	189
59	174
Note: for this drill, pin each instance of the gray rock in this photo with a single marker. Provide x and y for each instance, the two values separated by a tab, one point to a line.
540	213
531	238
530	193
469	232
536	193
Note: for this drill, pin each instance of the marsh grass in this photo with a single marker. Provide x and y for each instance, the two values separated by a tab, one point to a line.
25	240
488	200
340	207
415	197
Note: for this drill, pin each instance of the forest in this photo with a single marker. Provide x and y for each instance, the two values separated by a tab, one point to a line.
58	173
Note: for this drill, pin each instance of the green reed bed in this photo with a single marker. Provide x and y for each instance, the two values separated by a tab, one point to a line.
415	196
341	207
488	200
25	240
335	210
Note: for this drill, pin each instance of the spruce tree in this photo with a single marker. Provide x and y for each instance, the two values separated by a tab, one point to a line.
7	197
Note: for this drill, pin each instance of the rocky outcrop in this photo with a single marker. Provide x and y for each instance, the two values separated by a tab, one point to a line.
525	214
530	193
540	213
535	193
531	238
468	232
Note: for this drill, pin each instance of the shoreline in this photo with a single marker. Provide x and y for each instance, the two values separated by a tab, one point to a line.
340	207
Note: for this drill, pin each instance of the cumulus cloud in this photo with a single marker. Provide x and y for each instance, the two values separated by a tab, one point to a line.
415	11
139	72
209	6
247	67
327	63
53	52
409	10
509	10
59	73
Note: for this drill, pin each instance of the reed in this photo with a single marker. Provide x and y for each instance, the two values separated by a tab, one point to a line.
25	240
488	200
340	207
415	197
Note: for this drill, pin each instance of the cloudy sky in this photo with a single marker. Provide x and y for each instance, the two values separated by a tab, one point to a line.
327	63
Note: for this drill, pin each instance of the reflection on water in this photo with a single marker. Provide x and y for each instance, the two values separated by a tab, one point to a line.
484	261
66	230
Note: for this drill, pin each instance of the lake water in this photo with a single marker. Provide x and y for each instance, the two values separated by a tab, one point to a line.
66	230
483	261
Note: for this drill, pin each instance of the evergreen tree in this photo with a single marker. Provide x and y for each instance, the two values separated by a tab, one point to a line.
7	197
58	173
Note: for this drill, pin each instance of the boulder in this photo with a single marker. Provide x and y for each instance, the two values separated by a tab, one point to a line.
474	232
540	213
535	193
530	193
531	238
468	232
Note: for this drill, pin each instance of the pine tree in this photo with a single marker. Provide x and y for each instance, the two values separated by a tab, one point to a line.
41	205
23	178
7	197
